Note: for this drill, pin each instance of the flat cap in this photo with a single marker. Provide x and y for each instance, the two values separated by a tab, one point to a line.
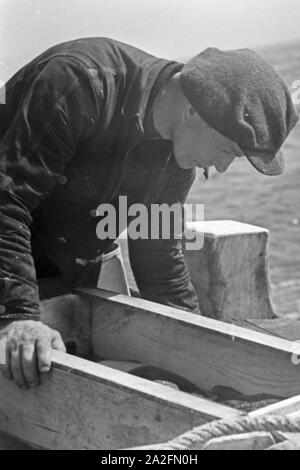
241	95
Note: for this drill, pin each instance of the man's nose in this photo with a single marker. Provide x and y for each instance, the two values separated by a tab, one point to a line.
225	163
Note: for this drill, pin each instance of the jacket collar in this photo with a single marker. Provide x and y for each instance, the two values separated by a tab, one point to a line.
138	93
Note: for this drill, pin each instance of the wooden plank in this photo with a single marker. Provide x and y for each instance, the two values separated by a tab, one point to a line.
286	445
247	441
281	327
287	328
285	407
70	315
202	350
10	443
82	405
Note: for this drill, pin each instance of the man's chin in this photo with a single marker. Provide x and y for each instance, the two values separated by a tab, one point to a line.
185	165
220	170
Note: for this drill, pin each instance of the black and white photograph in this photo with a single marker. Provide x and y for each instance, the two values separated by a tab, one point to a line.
149	228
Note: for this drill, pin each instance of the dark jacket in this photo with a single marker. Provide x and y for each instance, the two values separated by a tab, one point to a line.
72	138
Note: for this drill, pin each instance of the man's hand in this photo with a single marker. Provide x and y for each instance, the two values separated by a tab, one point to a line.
28	346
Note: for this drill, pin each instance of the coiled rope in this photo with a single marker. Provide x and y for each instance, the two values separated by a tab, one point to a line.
196	438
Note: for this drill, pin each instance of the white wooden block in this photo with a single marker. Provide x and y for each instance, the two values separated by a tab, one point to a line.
230	272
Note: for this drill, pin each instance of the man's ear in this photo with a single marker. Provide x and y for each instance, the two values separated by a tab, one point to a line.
189	114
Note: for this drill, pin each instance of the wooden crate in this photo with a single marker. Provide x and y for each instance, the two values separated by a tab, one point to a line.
85	405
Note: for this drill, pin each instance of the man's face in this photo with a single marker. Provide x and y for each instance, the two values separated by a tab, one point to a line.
195	143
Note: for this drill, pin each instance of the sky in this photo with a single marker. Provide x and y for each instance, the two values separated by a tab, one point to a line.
173	29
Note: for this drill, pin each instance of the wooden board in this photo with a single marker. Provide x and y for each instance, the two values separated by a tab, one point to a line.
281	327
72	321
205	351
70	315
288	407
82	405
249	441
10	443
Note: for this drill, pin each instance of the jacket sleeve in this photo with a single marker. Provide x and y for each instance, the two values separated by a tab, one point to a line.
56	111
158	265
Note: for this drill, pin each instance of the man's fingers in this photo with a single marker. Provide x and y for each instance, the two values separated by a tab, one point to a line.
57	342
16	367
43	349
28	349
29	364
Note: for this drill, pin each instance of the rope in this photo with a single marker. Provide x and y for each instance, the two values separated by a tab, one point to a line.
199	436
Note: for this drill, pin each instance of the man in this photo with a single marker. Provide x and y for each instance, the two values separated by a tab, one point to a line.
93	119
